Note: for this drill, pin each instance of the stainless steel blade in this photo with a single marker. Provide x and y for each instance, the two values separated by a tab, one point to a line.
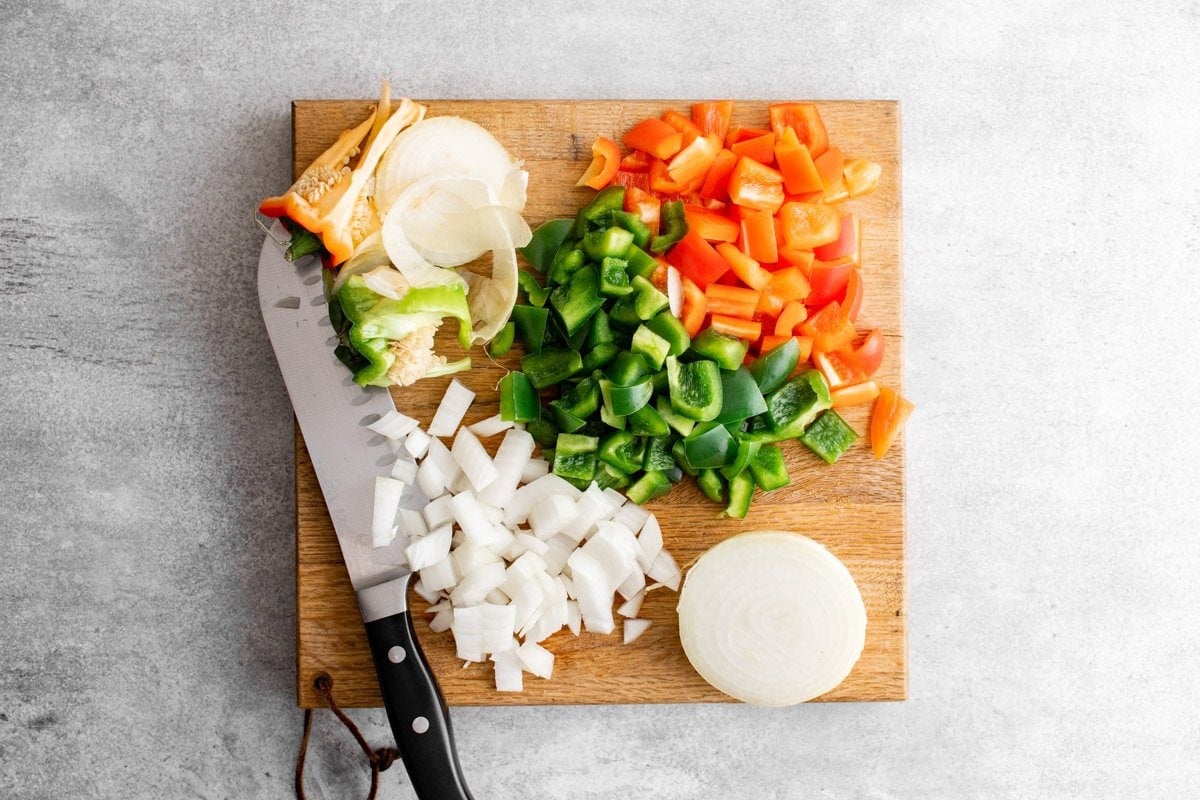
333	411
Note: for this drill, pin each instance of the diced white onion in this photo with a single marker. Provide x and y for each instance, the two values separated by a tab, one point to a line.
531	544
534	469
425	592
650	542
497	597
476	584
517	511
633	628
574	619
438	511
429	549
509	675
473	459
417	443
441	621
674	291
387	501
393	425
440	455
514	453
536	659
412	523
632	516
405	470
498	627
442	576
633	606
490	427
797	627
558	550
633	584
470	517
592	506
593	592
549	518
665	570
430	479
451	410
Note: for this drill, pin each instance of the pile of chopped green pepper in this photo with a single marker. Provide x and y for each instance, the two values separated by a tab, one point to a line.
637	402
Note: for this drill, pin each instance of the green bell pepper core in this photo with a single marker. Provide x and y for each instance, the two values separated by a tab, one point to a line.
650	346
640	262
544	243
727	351
614	277
658	454
674	225
627	369
711	485
502	342
624	312
566	264
768	469
681	424
621	401
600	355
623	451
611	420
647	422
829	436
772	368
544	432
583	399
551	366
740	396
632	223
533	290
609	242
600	332
518	399
379	359
695	389
416	308
709	446
606	201
668	326
355	299
575	301
606	477
648	487
794	405
530	323
564	420
648	300
746	450
741	493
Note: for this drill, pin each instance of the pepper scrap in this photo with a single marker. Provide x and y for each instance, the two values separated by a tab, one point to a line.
329	199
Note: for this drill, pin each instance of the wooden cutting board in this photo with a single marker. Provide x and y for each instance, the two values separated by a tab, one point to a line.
855	508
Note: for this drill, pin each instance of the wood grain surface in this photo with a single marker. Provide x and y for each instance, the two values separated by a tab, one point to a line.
855	508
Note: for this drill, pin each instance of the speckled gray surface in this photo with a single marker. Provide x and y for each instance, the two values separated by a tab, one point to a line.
1052	273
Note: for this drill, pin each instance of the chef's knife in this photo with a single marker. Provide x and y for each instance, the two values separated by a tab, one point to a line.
333	413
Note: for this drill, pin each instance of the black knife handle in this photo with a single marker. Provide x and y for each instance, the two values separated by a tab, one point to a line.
416	710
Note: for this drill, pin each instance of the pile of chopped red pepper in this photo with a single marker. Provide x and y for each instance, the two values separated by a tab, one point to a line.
768	255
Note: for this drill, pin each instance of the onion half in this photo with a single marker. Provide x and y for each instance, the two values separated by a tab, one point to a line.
771	618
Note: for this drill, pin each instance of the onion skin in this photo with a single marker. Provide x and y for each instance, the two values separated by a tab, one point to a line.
771	618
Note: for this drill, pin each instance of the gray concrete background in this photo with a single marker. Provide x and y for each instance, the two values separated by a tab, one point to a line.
1052	274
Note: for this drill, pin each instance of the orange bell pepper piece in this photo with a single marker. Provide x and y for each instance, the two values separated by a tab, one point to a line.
794	312
695	306
713	117
789	284
805	120
760	148
854	295
710	225
830	165
741	133
758	236
800	174
829	328
655	137
606	160
749	271
891	412
692	163
809	225
687	129
846	245
856	395
861	177
731	301
741	328
716	183
755	185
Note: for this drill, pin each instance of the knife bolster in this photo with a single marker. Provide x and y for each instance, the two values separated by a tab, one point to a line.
384	599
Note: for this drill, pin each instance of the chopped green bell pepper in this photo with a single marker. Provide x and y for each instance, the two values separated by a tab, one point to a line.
611	420
648	487
829	436
640	262
627	368
711	485
545	242
668	326
794	405
600	355
534	291
674	227
681	424
746	450
650	346
768	469
600	332
710	446
681	458
624	312
648	300
647	422
741	493
609	242
623	451
614	277
728	351
606	201
551	366
740	396
543	431
564	420
632	223
575	301
518	398
566	264
658	454
607	477
575	456
621	401
583	398
502	342
530	322
695	389
772	368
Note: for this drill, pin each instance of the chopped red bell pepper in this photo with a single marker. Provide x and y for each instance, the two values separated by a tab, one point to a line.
828	282
800	174
711	225
716	183
637	161
829	328
869	354
697	260
688	129
854	295
845	246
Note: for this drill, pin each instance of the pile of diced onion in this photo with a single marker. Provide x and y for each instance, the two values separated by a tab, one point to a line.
507	552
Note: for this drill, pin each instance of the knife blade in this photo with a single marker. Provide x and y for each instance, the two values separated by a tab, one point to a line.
333	413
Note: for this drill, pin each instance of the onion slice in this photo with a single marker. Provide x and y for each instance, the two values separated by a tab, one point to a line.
791	631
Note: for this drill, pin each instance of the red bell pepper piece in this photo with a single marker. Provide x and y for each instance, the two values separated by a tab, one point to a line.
828	282
712	226
648	207
688	129
845	246
697	260
829	328
716	183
